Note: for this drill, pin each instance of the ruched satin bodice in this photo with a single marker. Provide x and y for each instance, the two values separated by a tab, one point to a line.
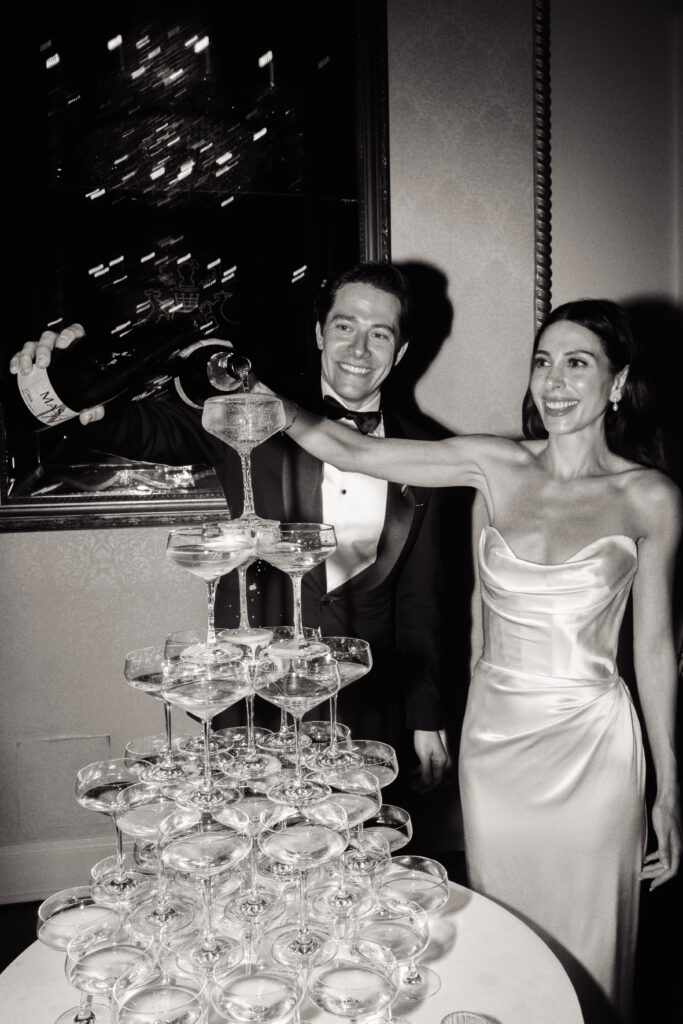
551	760
555	620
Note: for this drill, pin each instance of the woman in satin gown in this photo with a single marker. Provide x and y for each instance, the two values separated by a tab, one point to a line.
551	760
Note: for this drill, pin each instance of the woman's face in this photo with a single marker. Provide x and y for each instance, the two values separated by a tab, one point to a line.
572	381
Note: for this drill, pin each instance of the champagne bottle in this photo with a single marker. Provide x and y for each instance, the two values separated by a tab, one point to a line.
89	372
209	367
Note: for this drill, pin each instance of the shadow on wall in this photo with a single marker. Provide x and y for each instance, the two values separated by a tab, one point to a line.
659	326
438	819
431	324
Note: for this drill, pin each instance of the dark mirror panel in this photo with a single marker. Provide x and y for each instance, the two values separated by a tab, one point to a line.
212	159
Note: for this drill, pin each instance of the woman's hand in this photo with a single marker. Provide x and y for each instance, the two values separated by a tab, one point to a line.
664	862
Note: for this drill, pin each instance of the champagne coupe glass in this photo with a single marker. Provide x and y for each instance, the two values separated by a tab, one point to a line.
248	761
198	846
144	670
402	927
420	879
365	861
256	904
65	913
354	660
148	994
296	548
244	421
282	742
379	758
97	788
357	791
204	688
194	641
210	550
95	958
297	686
357	982
258	993
393	823
303	838
142	809
62	916
320	732
254	637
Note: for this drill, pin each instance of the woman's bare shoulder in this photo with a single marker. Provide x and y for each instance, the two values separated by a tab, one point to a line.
655	500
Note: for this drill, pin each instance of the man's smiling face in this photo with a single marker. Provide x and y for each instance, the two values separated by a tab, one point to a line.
360	342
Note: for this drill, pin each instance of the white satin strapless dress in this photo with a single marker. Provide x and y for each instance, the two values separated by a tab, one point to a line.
552	770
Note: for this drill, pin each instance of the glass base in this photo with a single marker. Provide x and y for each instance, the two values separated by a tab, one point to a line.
332	758
254	765
297	648
237	736
297	791
291	947
283	742
96	1013
179	768
341	902
195	956
111	891
255	907
425	984
195	744
151	918
197	798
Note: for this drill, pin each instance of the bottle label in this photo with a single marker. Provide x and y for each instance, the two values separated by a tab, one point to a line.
41	398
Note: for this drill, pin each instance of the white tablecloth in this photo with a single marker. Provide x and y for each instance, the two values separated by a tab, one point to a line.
489	962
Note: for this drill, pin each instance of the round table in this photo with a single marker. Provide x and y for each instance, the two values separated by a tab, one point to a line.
488	960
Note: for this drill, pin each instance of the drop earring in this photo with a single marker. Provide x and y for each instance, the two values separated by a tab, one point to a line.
615	405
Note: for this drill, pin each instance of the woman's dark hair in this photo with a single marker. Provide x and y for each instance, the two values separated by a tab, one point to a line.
384	276
633	431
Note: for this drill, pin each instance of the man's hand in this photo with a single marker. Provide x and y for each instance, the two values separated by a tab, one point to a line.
39	353
432	752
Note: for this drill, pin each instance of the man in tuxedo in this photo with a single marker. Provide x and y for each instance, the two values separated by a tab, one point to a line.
384	583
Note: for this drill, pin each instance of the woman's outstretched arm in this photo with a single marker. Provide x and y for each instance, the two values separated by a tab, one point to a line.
656	668
453	462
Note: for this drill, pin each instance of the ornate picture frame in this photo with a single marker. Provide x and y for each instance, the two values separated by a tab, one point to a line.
334	210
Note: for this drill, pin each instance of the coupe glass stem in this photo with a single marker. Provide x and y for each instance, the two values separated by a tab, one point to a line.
333	723
253	865
211	629
248	509
251	745
297	749
84	1013
167	752
162	884
206	730
298	625
304	936
120	875
208	938
244	611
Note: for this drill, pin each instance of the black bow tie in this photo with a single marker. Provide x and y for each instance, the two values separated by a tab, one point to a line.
365	421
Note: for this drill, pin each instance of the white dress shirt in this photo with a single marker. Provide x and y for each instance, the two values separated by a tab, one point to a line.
355	505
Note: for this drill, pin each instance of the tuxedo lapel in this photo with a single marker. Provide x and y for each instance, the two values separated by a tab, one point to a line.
398	519
302	497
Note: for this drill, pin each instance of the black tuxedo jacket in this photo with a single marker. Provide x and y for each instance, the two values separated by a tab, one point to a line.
396	603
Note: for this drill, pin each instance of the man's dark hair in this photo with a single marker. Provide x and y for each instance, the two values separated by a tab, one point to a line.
384	276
